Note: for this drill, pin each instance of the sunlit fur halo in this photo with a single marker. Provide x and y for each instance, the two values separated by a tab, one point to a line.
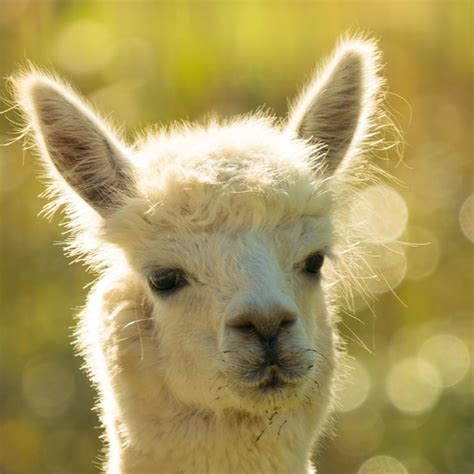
237	369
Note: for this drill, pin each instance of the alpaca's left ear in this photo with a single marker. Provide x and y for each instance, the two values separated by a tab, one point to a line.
335	109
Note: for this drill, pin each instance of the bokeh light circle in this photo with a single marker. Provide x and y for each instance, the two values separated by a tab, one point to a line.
450	355
357	387
413	385
84	47
380	213
382	465
466	217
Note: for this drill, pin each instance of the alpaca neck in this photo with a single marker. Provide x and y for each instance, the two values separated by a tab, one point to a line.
179	438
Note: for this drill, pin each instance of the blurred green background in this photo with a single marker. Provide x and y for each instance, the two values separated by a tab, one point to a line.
409	408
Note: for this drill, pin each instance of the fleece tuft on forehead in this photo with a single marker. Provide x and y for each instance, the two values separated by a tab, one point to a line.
245	170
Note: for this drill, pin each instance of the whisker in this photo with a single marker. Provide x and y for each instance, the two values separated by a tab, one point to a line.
281	426
320	354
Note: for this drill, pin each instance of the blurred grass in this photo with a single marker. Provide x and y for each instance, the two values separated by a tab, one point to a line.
147	62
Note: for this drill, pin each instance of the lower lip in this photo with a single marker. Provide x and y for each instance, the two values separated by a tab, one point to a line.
272	383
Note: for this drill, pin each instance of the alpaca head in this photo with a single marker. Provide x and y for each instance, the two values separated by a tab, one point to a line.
226	228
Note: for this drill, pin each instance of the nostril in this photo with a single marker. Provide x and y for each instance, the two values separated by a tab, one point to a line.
245	327
286	324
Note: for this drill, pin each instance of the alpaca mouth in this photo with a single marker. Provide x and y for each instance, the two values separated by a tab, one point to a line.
272	377
273	389
273	382
269	381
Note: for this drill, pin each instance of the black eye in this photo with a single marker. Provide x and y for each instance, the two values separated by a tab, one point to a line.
314	263
166	280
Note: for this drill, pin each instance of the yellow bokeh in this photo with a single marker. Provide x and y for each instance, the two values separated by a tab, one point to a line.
413	386
382	465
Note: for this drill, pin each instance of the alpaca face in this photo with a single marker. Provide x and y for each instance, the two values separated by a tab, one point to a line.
227	230
247	323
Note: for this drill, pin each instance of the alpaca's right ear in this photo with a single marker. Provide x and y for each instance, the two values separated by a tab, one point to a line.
74	142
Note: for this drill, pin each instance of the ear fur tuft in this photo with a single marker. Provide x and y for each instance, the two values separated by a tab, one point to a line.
335	110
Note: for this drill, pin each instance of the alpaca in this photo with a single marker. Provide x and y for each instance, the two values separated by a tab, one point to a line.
211	333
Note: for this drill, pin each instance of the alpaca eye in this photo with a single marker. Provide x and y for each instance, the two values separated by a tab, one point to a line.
166	280
314	263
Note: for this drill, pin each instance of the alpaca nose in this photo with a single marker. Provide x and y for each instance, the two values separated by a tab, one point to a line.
267	325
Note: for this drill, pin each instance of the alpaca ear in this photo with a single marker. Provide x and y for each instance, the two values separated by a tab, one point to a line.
74	142
334	111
